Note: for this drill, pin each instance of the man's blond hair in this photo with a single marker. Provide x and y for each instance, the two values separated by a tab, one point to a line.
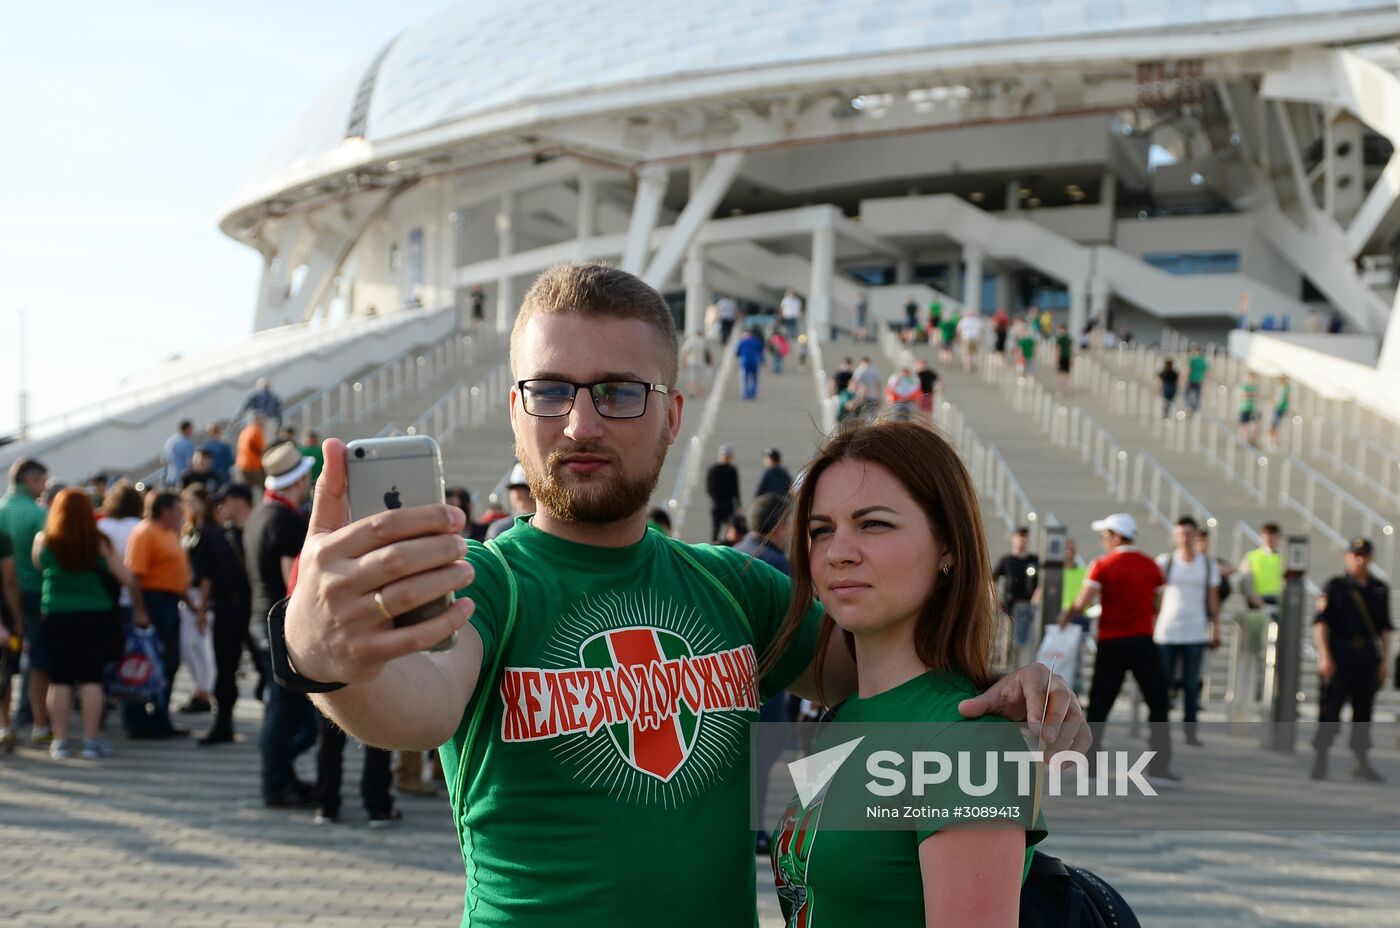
599	290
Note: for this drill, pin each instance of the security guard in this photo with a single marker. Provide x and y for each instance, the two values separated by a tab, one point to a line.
1352	630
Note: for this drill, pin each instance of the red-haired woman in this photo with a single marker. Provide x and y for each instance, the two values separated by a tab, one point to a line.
81	625
888	535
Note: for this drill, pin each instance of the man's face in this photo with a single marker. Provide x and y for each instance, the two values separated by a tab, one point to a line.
35	483
1184	536
1270	540
1358	565
1108	540
233	510
170	518
1019	543
201	463
583	467
1070	552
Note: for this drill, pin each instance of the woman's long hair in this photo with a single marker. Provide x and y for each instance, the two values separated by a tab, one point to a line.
195	493
70	531
957	626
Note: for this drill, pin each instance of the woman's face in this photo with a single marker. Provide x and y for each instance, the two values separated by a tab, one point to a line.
873	553
194	509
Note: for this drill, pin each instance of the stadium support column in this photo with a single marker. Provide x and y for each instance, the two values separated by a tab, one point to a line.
1078	308
904	271
587	211
694	270
972	286
505	285
646	208
823	268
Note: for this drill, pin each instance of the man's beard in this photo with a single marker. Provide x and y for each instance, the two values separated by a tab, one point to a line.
589	499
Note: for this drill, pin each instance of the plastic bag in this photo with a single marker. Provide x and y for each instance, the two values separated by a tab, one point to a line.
1060	649
139	675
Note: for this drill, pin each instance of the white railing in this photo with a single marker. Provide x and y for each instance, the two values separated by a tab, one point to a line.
463	405
338	403
992	476
1201	433
688	474
828	403
260	352
412	370
1154	487
1372	440
1345	514
1363	460
1068	427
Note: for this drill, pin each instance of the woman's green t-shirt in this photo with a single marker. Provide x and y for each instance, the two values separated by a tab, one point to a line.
832	868
72	590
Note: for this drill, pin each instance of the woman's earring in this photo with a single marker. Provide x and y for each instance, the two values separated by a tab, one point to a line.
946	568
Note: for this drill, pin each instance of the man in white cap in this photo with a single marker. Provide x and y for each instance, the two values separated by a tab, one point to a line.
1126	583
521	502
272	540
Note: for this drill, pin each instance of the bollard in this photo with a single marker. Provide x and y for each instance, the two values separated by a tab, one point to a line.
1287	647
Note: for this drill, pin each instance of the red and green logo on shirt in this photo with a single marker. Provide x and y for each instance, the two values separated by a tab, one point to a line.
645	687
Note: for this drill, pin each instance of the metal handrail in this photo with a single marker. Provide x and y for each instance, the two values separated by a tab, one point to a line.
284	344
1146	467
991	475
1372	522
688	474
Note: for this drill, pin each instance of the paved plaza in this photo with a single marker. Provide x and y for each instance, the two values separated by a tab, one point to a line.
170	835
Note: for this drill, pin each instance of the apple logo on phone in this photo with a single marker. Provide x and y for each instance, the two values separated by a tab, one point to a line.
391	499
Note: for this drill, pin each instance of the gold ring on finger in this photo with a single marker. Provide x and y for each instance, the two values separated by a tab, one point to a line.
383	609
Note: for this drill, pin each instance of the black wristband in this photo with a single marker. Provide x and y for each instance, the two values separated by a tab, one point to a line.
283	673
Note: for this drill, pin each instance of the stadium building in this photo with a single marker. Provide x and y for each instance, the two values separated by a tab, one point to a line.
1121	163
1181	163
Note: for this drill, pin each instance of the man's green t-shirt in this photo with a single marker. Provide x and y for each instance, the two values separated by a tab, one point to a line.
948	328
318	460
21	518
1064	345
1071	584
1196	367
1248	394
609	781
827	862
1027	346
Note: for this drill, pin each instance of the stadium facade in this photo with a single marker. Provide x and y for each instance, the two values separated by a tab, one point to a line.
1179	162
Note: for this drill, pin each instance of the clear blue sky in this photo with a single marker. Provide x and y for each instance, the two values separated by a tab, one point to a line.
126	129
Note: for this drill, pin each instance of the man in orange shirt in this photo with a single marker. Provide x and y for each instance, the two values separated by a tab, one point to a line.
251	443
154	554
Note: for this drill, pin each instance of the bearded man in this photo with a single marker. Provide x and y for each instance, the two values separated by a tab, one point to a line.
593	715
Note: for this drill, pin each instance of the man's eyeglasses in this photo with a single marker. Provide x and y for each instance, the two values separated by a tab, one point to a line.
614	399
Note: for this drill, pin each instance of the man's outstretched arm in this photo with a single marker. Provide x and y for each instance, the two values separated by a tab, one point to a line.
395	696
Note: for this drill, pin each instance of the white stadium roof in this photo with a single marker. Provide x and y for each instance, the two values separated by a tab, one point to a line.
492	65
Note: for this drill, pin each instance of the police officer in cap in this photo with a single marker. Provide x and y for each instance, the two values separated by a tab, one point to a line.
1352	630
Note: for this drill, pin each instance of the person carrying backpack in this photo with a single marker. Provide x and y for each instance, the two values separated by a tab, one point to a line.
1188	616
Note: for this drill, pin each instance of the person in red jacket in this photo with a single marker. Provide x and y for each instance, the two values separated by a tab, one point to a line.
1126	583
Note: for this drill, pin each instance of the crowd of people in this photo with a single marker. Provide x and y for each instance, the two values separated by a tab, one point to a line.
112	588
880	544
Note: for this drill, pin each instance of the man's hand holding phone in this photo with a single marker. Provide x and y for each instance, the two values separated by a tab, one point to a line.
337	629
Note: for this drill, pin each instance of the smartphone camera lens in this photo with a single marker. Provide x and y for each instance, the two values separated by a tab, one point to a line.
359	452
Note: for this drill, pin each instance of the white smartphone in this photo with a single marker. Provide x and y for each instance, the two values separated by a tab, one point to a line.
395	473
